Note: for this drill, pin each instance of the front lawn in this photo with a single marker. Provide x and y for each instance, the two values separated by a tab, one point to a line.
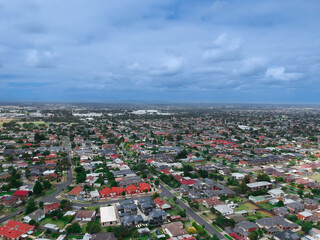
266	205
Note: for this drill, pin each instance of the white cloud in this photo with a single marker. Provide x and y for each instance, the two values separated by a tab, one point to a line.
250	66
172	66
135	67
36	58
223	49
279	73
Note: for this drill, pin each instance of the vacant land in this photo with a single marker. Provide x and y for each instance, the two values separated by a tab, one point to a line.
246	207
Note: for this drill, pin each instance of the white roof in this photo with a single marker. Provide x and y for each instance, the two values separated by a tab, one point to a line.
237	174
276	191
223	208
258	184
306	214
108	214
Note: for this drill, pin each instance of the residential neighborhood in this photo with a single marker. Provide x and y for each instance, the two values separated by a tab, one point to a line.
100	173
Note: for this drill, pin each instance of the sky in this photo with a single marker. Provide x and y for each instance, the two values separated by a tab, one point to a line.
193	51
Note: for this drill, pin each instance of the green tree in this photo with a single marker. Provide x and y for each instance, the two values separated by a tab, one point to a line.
47	185
93	227
74	228
31	206
253	235
37	189
263	177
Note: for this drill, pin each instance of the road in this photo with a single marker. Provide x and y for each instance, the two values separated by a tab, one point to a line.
166	193
52	197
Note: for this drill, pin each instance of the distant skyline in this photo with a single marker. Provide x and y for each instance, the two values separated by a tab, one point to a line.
160	51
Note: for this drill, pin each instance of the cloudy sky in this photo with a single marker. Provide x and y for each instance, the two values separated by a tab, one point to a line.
160	51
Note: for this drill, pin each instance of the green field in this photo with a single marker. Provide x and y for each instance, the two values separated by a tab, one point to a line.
57	222
246	206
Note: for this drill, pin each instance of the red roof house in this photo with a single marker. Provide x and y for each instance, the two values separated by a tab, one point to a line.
132	189
76	191
51	207
21	194
144	186
14	229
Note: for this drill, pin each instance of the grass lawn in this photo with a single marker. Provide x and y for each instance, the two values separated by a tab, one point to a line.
57	222
193	164
36	123
50	192
6	193
266	205
246	207
264	214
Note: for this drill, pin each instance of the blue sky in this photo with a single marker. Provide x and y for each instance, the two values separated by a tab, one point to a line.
160	50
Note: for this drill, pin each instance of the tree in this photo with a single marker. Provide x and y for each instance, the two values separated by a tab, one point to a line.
263	177
157	182
192	230
246	179
253	235
93	227
306	227
280	203
243	188
47	185
300	192
74	228
31	206
37	189
65	205
300	186
41	205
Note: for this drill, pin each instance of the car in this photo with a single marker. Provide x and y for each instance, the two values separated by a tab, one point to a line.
19	212
158	232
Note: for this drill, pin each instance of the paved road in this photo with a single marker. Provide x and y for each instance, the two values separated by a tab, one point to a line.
52	197
166	193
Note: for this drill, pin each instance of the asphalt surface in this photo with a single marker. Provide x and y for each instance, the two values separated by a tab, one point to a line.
52	197
166	193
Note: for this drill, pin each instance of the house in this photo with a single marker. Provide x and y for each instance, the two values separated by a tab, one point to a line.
295	207
76	191
103	236
224	209
131	189
13	230
275	224
162	204
85	215
144	187
244	228
21	194
157	217
132	221
173	229
51	207
109	216
37	216
286	235
305	216
184	189
259	185
314	232
111	192
211	202
276	193
11	200
238	176
146	205
280	211
51	227
310	204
